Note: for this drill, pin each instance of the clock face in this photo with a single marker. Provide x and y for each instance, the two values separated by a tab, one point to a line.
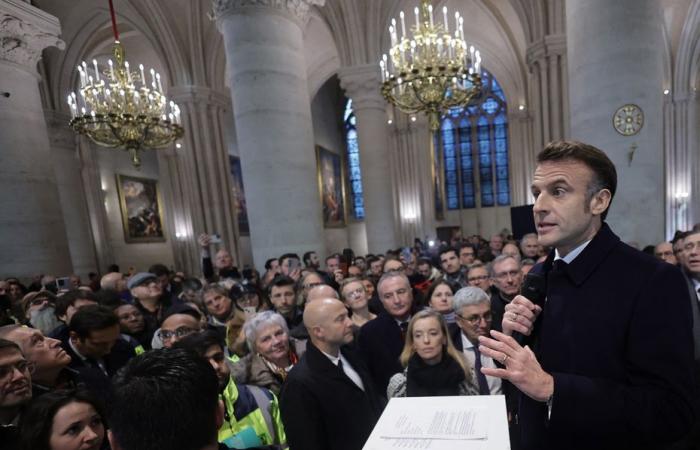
628	120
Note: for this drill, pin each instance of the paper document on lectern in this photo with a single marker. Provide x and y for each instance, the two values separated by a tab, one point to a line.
442	423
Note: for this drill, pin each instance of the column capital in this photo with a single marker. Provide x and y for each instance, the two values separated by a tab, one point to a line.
299	9
200	94
551	44
25	31
362	85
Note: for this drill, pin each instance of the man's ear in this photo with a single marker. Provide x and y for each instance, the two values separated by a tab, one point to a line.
112	442
600	202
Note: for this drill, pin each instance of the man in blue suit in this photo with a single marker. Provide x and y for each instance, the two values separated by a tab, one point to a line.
607	357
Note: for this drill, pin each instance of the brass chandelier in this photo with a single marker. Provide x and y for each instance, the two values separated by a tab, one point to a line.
432	71
123	108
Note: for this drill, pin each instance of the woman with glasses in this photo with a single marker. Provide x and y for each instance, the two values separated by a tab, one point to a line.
272	355
354	295
433	367
440	299
63	420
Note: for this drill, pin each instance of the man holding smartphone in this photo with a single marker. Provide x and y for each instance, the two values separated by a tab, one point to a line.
223	261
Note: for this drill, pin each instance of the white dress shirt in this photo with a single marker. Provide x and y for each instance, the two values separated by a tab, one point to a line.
347	368
495	387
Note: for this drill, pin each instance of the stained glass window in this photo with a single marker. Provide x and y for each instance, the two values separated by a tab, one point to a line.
474	142
354	171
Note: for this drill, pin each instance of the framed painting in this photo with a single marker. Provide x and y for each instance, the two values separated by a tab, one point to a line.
141	208
331	184
239	195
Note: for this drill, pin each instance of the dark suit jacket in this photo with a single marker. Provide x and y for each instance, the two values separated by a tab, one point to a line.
380	344
616	335
89	373
322	409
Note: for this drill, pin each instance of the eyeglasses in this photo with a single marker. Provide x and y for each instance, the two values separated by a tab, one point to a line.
23	366
166	335
477	279
505	275
356	293
475	319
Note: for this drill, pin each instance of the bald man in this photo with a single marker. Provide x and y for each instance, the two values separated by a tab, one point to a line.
321	291
329	387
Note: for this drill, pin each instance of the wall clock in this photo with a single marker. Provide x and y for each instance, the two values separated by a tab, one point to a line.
628	119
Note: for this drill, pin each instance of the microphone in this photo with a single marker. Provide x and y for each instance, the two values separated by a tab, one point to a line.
534	288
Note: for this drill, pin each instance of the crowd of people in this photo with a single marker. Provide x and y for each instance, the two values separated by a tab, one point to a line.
306	357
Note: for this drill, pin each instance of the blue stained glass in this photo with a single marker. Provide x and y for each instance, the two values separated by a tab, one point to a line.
353	156
490	106
481	138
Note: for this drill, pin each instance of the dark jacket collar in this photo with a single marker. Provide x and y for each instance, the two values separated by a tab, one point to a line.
590	258
319	363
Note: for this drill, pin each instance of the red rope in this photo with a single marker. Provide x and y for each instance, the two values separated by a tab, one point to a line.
114	21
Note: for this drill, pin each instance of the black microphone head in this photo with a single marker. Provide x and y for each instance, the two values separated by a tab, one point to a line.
534	288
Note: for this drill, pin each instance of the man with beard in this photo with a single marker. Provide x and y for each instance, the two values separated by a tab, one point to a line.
247	408
39	310
50	361
15	391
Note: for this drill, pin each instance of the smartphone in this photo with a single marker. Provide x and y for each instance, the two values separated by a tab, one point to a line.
249	310
214	238
63	284
294	264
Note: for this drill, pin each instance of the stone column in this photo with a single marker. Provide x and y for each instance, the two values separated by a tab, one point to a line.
32	233
200	176
67	169
267	75
361	83
615	56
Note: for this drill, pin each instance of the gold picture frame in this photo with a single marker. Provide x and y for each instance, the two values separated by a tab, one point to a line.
330	172
141	208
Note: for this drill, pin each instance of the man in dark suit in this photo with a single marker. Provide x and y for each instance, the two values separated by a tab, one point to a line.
328	400
381	340
95	348
612	351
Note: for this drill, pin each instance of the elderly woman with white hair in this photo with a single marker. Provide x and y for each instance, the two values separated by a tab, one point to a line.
472	307
272	355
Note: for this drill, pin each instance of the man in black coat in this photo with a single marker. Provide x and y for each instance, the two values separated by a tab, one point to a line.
609	360
381	340
328	401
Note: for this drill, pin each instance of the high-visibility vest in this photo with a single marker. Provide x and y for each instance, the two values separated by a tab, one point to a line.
253	407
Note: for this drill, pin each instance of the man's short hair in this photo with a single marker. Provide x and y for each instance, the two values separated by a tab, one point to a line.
468	296
287	256
392	274
69	298
268	263
333	256
6	344
466	245
372	259
280	281
424	261
92	318
159	270
307	257
165	399
604	172
528	236
215	287
448	249
499	259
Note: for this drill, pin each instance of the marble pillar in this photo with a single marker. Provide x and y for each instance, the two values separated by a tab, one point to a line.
32	232
67	169
361	84
272	111
615	57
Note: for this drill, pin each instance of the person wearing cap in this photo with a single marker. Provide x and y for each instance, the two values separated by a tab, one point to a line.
147	294
38	308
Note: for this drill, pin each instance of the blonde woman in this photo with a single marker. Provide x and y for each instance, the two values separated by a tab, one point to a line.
433	367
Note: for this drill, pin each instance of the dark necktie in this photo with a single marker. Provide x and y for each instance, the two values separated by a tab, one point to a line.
404	327
480	377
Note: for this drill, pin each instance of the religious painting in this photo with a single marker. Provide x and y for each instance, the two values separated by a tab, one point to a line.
142	210
330	185
239	195
438	184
